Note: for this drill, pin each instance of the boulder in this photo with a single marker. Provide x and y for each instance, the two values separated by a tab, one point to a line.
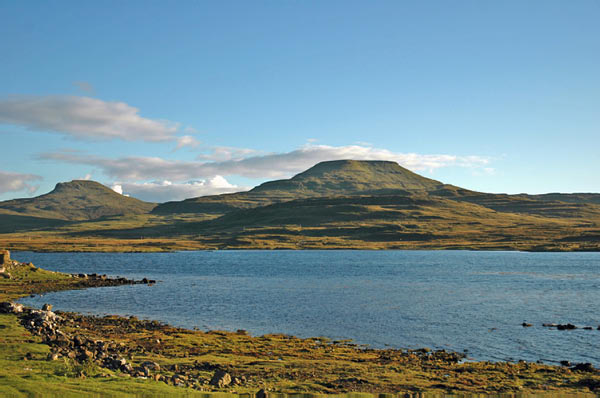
5	258
220	379
568	326
261	394
584	367
151	365
10	308
47	307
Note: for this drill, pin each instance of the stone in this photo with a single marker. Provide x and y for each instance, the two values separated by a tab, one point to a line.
220	379
178	379
151	365
261	394
5	258
568	326
239	380
11	308
584	367
47	307
86	355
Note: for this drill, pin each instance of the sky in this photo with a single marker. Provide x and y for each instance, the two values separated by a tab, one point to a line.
171	100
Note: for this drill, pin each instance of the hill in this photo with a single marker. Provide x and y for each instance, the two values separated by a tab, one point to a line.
325	179
71	201
337	204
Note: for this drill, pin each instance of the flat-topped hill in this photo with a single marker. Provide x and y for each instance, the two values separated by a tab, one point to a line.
350	177
76	200
325	179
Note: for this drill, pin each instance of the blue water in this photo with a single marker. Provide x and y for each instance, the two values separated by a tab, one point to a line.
456	300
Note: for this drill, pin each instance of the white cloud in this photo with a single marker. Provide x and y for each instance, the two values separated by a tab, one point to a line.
267	166
84	118
187	140
118	188
15	182
223	153
163	191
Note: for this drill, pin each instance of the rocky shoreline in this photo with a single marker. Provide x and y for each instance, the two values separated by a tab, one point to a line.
114	356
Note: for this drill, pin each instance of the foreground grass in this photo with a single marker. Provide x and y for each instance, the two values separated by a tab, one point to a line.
36	376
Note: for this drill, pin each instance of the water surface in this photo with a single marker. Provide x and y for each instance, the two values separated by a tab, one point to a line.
456	300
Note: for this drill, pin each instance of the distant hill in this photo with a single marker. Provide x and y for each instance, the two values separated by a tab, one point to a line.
336	204
73	201
325	179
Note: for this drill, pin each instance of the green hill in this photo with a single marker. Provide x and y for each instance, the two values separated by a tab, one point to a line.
71	201
325	179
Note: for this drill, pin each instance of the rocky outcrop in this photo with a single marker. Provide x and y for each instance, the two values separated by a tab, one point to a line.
50	326
47	325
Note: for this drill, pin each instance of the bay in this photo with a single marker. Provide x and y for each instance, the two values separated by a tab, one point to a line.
455	300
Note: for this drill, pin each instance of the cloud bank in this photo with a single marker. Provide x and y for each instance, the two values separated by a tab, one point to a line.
15	182
84	118
164	191
158	180
267	166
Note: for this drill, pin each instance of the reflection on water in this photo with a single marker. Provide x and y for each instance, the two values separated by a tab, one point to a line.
472	302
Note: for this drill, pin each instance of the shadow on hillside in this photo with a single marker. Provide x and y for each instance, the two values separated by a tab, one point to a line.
15	223
163	230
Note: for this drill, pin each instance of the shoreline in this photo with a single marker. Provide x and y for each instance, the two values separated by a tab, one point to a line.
243	364
311	249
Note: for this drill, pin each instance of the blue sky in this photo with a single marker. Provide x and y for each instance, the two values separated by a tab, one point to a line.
172	100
